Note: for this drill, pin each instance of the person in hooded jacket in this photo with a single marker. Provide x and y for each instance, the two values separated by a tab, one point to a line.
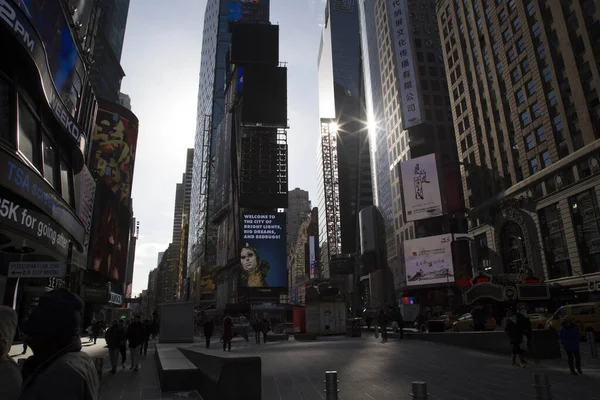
10	375
569	338
58	368
114	337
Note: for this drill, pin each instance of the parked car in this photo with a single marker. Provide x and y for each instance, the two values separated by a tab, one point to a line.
585	315
465	323
448	318
539	320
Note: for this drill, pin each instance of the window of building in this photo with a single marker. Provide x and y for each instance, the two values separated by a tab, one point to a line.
516	74
521	45
546	160
553	236
525	66
541	137
529	142
530	87
530	8
50	157
525	119
584	209
535	111
541	50
29	135
66	182
552	98
483	252
510	54
5	110
502	16
533	165
516	24
520	96
507	34
547	74
558	124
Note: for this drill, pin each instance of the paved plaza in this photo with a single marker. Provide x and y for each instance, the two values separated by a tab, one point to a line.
372	370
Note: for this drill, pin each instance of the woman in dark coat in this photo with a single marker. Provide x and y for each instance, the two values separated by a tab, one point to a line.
227	333
208	327
514	329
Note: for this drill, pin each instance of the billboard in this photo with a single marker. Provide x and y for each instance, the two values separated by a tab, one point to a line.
255	43
311	257
223	164
264	95
85	189
109	235
263	260
405	63
428	260
113	148
421	188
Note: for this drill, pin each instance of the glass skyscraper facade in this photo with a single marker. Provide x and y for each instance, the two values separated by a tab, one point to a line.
343	166
211	109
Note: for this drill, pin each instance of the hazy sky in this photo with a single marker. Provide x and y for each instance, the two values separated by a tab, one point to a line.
161	59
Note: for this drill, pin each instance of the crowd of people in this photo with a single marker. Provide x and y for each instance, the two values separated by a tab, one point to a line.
227	330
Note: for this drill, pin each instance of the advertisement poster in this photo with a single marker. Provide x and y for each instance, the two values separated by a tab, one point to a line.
311	257
49	20
421	188
85	190
263	253
113	148
405	63
429	260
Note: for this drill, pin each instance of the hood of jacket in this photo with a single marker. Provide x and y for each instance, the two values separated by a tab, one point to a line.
8	327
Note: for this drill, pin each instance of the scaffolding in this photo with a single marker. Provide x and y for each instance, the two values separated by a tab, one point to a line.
331	189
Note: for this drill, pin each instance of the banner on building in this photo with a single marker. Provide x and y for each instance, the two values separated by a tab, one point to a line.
263	261
37	269
405	63
311	257
85	190
421	188
428	260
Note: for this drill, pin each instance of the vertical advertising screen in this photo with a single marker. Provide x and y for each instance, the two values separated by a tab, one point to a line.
113	148
311	256
109	235
421	188
263	250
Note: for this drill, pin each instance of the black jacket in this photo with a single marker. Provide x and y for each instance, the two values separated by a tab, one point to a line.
135	334
114	337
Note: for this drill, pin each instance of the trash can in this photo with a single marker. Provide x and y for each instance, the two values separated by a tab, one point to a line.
353	327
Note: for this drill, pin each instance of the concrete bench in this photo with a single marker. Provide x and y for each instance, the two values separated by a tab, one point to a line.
175	371
225	375
277	337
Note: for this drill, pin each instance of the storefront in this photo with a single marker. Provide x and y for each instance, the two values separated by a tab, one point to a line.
41	142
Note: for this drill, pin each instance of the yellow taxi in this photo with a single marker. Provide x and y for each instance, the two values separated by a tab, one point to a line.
539	320
585	315
465	323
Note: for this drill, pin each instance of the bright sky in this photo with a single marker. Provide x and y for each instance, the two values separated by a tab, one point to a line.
161	57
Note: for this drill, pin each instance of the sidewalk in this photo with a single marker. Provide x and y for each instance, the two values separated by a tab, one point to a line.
141	385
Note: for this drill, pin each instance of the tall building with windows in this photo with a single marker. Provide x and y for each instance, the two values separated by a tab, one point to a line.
296	213
410	98
524	78
216	38
343	166
178	213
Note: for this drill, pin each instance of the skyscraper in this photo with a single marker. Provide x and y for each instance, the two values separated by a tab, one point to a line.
343	166
524	78
297	212
177	213
216	39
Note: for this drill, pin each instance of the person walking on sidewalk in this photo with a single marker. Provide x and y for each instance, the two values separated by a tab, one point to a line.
569	338
257	327
58	367
96	325
135	336
515	334
114	336
208	326
144	346
123	345
227	333
266	327
10	375
382	320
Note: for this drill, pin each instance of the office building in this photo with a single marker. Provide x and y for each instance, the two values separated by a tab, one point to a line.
296	213
524	77
178	213
343	166
125	100
216	38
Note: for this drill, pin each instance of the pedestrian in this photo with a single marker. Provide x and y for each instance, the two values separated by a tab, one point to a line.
58	367
208	327
135	336
96	325
147	329
10	375
525	323
257	327
382	320
569	338
114	337
227	333
400	321
123	345
266	327
369	321
514	331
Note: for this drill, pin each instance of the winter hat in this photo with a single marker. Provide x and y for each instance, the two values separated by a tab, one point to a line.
8	326
57	315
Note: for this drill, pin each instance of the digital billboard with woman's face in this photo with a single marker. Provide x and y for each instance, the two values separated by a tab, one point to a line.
263	260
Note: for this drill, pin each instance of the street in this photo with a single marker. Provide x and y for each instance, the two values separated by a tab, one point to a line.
369	369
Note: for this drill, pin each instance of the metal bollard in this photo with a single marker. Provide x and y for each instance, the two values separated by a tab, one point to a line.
591	338
331	385
541	383
419	390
